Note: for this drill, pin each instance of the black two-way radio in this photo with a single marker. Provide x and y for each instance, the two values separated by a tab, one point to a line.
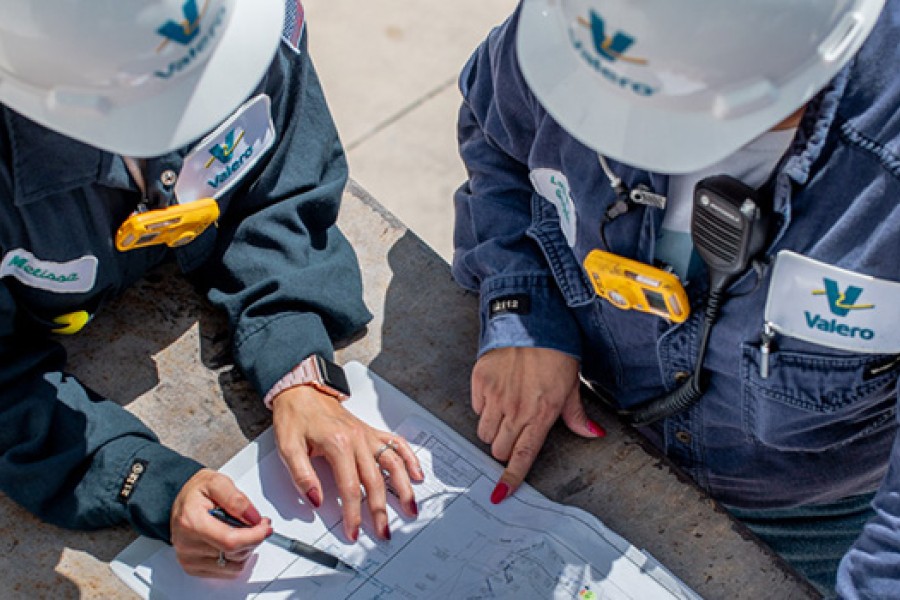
730	225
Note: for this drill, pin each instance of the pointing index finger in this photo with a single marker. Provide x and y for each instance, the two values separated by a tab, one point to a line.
505	488
524	453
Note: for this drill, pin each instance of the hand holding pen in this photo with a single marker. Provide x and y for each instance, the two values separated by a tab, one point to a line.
205	547
295	546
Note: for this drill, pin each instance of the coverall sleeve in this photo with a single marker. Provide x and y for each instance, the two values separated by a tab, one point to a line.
285	274
872	566
66	453
493	253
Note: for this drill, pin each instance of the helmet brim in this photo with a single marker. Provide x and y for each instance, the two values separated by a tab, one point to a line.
177	114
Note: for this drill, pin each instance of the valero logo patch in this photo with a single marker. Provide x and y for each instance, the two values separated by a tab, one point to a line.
226	155
841	303
222	152
831	306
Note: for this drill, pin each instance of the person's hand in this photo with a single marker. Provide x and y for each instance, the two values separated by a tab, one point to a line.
519	393
309	423
204	546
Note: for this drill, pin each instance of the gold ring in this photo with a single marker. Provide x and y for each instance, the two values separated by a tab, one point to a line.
221	561
390	445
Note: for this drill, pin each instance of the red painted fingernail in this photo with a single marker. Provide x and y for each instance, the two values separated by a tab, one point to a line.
269	532
314	497
386	532
413	508
251	515
595	429
354	535
499	494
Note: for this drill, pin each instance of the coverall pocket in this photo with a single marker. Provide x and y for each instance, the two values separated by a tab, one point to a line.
816	402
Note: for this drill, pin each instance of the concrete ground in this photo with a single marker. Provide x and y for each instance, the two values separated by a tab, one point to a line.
389	70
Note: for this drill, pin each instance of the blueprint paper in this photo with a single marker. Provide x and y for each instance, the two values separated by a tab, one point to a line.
460	546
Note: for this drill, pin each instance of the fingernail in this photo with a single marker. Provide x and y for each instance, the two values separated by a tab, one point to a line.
420	474
315	497
251	515
413	508
386	532
500	492
269	532
354	535
595	429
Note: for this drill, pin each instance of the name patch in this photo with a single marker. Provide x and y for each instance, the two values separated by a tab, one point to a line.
520	304
72	277
553	186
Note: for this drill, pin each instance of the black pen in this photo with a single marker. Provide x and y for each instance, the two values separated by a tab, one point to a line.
291	545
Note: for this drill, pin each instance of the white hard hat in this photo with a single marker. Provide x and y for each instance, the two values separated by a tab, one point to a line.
676	85
135	77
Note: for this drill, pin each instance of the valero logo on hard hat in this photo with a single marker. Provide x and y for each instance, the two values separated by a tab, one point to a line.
605	50
840	303
611	48
185	32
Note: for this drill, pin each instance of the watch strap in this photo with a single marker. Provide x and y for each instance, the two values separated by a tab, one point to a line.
308	372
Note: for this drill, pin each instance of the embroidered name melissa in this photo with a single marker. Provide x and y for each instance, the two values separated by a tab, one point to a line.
138	468
519	304
72	277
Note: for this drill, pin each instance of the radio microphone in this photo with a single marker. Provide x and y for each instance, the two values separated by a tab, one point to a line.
730	225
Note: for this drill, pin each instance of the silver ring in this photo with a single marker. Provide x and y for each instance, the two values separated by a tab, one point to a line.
390	445
221	561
